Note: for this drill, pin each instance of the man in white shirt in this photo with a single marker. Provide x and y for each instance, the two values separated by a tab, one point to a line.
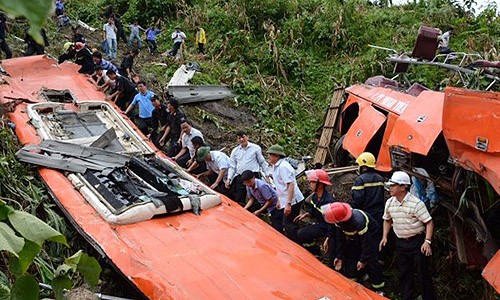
178	37
110	36
289	196
411	222
187	155
246	156
217	162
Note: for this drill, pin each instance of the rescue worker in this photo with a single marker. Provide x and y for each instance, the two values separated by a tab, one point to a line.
201	40
217	162
160	121
83	57
69	52
289	196
187	155
178	37
245	156
173	131
356	243
263	197
414	228
318	180
124	90
146	108
33	47
368	188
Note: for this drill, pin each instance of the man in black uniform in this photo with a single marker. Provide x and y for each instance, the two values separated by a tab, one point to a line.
124	90
173	130
356	243
160	121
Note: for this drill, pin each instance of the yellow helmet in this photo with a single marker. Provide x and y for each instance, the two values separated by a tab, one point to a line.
67	45
366	159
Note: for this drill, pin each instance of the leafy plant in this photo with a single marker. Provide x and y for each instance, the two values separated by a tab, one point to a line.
36	11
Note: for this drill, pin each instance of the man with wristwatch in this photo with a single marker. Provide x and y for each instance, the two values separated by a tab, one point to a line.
413	227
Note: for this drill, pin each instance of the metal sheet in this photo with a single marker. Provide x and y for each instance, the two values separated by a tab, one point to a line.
492	272
362	130
470	126
419	125
193	94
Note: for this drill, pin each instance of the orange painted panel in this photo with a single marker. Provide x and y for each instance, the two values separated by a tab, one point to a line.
225	253
386	98
419	125
362	130
471	120
492	272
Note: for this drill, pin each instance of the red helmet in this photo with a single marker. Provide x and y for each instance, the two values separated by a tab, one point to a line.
318	175
338	212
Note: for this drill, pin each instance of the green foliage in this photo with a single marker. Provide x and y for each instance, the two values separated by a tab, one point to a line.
34	229
22	235
36	11
25	288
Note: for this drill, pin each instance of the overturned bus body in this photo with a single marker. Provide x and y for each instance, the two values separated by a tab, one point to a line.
133	204
446	140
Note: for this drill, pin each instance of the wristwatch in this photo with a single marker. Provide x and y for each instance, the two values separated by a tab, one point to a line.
428	241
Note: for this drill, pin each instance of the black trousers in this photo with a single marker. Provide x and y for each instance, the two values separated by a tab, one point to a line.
289	226
124	99
145	124
410	260
309	233
201	48
152	46
5	48
175	49
353	249
238	191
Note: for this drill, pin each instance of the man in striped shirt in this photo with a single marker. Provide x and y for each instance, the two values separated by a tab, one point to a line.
413	227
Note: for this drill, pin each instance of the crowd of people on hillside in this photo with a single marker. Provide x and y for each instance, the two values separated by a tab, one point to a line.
354	231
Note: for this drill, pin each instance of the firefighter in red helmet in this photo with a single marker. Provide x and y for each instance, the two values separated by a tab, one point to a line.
318	180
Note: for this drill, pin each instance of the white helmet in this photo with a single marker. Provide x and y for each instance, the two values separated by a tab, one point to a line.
399	177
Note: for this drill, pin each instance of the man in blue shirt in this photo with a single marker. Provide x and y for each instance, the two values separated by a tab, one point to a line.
146	108
151	39
262	192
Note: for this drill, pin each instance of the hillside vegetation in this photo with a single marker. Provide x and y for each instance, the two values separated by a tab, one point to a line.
283	58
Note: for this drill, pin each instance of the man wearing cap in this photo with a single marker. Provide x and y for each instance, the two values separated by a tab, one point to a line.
356	243
172	132
265	195
245	156
289	196
217	162
414	228
187	155
146	108
178	37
